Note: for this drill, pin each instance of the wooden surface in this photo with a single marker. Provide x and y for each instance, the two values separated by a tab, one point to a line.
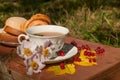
108	67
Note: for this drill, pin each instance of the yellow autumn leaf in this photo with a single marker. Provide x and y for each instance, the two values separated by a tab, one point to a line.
82	53
69	69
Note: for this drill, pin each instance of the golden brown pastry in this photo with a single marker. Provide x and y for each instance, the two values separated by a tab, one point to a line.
38	19
42	17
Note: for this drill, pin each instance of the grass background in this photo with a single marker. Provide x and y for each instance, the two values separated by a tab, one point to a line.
93	20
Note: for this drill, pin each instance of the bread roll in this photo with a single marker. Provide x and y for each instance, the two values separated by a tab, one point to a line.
13	25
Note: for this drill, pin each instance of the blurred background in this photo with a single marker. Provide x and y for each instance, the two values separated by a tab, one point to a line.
93	20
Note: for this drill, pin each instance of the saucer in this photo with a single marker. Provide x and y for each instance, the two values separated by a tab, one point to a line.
12	44
69	50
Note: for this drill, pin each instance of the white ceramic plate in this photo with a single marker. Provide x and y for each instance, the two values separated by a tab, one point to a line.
70	53
8	43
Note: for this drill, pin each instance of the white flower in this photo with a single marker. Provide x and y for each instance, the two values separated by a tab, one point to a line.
34	65
26	49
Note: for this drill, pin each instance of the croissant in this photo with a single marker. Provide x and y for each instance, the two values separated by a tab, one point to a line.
35	20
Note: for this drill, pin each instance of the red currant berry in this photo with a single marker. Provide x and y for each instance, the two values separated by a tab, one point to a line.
87	53
98	48
94	60
78	59
79	48
75	58
61	53
90	60
97	51
87	47
102	50
83	47
74	43
92	54
62	65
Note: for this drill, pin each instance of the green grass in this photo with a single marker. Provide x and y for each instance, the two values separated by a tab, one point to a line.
96	20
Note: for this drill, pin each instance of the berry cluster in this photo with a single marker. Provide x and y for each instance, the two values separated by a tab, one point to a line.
74	43
76	58
88	54
99	50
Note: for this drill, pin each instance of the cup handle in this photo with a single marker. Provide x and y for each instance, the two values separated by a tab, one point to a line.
21	36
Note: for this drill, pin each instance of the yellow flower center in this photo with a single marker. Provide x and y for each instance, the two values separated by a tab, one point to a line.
45	52
34	65
27	51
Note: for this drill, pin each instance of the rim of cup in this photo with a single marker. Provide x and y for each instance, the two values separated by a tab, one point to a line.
47	28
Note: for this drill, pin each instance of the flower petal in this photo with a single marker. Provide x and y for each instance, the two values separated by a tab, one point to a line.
30	71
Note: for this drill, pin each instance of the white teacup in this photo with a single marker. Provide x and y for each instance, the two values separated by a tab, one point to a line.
53	43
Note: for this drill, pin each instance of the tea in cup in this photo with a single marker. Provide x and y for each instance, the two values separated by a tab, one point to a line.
48	39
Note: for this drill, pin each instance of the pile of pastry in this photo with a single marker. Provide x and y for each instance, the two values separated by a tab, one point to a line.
15	26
